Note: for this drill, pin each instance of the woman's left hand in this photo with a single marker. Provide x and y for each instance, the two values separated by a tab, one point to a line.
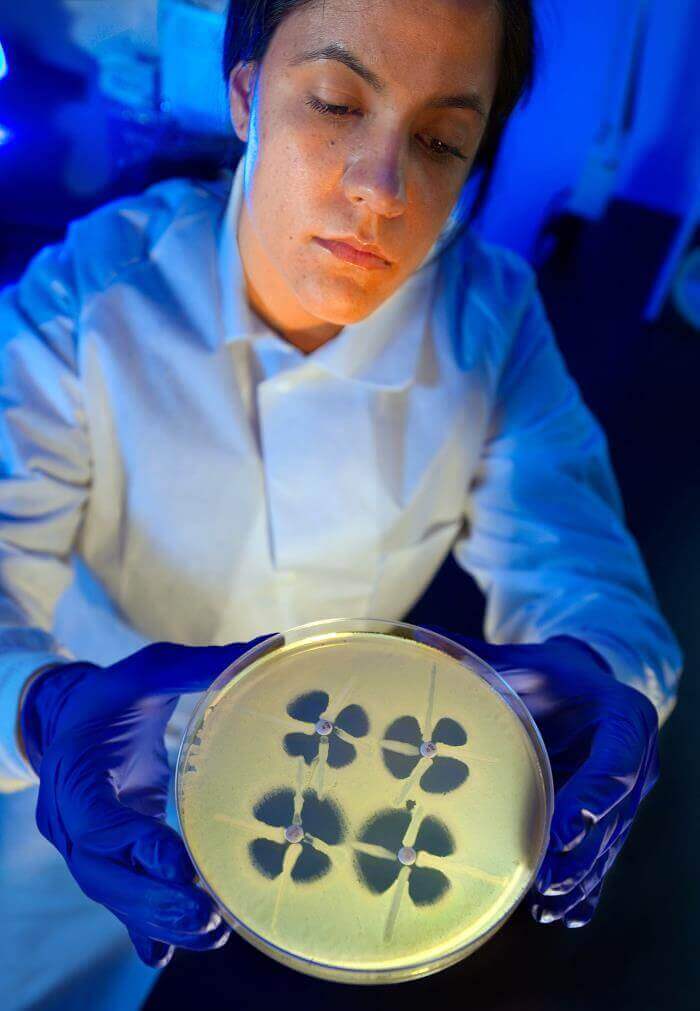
601	738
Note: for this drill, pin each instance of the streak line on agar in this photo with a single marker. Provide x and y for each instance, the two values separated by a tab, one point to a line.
399	889
366	745
410	783
374	850
338	702
299	793
255	827
289	723
431	702
460	867
400	747
291	855
320	765
413	825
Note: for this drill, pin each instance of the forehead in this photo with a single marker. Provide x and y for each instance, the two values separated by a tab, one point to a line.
418	45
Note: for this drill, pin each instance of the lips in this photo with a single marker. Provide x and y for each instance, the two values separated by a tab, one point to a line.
343	251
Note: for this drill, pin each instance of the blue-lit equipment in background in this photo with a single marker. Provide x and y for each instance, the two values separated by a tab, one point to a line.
5	134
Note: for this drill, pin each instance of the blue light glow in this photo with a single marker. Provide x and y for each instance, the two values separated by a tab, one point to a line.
5	134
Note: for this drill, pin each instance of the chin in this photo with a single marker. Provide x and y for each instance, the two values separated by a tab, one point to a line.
344	306
342	315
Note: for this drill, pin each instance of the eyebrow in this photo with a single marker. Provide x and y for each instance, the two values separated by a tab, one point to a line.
335	51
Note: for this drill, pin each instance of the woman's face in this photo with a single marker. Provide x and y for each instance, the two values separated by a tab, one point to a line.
386	170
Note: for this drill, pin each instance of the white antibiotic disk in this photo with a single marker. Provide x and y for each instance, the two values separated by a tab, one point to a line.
366	801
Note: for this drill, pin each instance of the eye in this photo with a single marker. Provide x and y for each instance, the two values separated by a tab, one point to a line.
325	109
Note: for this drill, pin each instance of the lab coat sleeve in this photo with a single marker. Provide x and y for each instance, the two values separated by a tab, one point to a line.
546	538
44	480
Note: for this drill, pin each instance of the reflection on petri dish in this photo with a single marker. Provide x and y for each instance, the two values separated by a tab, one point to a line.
362	806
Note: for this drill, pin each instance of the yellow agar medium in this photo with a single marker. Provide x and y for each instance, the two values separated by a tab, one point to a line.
363	807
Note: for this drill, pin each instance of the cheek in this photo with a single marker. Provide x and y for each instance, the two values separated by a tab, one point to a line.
280	200
289	214
428	203
316	148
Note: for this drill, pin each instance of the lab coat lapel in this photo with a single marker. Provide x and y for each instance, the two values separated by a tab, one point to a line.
328	432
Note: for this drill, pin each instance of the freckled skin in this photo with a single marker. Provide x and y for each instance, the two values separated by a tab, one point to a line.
371	172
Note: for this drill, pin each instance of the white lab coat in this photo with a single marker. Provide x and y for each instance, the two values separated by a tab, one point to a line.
173	470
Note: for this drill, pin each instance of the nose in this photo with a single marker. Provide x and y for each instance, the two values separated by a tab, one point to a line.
377	178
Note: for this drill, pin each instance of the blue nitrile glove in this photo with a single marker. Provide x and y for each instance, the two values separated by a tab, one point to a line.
95	737
601	738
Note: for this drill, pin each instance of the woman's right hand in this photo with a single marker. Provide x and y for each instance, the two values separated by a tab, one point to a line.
95	737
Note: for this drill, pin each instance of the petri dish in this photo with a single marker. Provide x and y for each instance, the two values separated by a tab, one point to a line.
365	800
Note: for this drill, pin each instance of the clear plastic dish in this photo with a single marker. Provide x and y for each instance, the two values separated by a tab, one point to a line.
366	801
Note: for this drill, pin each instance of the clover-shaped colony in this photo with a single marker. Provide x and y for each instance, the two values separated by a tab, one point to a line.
388	847
309	708
443	774
386	837
314	822
406	743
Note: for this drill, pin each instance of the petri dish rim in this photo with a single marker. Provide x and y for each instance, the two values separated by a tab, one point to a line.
321	629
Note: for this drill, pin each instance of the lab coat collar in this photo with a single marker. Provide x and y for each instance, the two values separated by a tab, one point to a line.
382	351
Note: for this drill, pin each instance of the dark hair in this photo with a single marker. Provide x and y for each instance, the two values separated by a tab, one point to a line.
251	24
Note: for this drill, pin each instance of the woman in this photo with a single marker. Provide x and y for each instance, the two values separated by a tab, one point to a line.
240	426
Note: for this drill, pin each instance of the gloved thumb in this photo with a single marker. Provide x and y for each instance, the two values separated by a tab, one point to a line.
169	668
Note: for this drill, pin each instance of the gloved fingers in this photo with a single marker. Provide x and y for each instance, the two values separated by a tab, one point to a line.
549	909
155	908
652	768
155	954
561	872
583	913
93	818
607	776
604	862
163	854
141	842
99	823
214	938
